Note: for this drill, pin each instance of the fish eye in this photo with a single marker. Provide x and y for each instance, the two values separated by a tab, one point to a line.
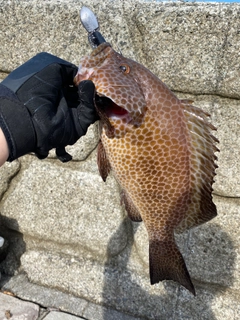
125	68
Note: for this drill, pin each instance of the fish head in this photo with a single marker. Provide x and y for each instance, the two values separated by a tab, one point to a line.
119	99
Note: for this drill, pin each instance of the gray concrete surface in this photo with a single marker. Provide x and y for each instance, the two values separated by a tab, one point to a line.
15	309
69	244
55	315
54	302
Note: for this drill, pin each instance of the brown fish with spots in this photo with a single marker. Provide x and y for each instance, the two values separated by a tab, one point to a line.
161	151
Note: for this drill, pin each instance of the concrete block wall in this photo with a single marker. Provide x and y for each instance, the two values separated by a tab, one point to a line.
64	226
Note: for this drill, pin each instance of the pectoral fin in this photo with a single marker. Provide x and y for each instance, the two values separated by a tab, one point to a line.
104	166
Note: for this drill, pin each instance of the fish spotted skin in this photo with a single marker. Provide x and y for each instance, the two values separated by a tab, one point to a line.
161	152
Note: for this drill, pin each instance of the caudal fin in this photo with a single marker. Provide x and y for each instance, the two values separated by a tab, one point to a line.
167	263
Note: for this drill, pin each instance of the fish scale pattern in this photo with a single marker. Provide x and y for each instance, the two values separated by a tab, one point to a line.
161	152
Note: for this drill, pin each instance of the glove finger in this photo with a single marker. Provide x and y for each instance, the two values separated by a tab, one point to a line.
41	154
64	133
86	113
63	155
71	95
86	91
70	91
68	74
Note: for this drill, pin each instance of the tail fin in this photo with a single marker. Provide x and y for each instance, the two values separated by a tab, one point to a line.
167	263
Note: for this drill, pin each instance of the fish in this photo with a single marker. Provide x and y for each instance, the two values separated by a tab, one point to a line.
161	151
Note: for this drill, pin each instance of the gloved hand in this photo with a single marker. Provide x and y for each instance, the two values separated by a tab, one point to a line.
41	109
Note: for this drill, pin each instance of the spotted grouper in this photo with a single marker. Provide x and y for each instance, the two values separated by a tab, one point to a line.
160	150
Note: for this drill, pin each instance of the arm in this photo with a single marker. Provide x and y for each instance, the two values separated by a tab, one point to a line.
4	153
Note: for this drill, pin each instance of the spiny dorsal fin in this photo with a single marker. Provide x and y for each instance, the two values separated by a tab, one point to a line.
202	167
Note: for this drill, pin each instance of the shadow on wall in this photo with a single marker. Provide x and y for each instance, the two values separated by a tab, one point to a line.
121	291
124	291
13	248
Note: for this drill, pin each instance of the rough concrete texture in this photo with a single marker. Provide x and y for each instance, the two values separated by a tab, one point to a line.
10	170
64	227
14	309
75	216
55	299
55	315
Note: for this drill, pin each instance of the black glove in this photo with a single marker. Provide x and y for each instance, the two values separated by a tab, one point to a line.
41	109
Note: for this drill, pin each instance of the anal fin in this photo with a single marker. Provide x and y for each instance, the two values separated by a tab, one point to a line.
132	211
104	166
167	263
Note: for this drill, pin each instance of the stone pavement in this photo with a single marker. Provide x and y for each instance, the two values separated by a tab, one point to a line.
16	309
23	300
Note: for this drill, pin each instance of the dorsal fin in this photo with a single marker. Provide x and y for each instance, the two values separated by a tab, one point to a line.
202	167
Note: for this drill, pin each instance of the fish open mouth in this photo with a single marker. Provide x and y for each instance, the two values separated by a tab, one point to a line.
115	118
110	108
